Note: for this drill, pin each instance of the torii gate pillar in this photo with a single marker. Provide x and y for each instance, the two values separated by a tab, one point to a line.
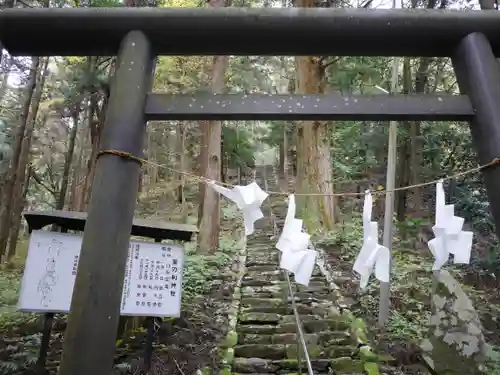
478	76
95	306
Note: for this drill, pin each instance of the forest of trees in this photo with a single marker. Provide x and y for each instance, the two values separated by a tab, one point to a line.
52	112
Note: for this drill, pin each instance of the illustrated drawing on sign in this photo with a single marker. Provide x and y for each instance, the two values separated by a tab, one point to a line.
152	281
49	278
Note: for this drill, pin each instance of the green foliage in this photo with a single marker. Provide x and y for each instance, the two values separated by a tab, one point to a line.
492	360
275	132
371	368
22	354
10	284
200	269
348	237
403	327
237	147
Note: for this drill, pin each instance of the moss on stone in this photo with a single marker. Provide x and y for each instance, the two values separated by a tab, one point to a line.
371	368
231	339
289	364
346	364
367	355
292	351
228	357
260	317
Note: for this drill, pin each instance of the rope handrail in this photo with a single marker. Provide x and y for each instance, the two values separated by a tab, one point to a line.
298	323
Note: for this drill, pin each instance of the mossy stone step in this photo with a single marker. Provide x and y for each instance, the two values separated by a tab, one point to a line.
290	351
337	323
261	244
313	286
263	250
254	365
260	365
260	317
322	338
265	351
261	269
310	326
269	291
269	274
325	295
282	310
317	351
256	302
326	338
262	262
265	329
250	281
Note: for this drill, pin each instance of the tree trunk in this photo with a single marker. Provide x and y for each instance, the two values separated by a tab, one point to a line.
416	139
69	158
16	226
96	132
314	161
76	182
416	142
283	166
208	238
403	167
8	189
182	167
209	222
19	188
5	78
96	144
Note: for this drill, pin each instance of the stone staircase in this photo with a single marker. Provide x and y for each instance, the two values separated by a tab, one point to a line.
266	328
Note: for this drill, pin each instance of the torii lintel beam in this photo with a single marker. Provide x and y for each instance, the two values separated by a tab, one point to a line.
239	31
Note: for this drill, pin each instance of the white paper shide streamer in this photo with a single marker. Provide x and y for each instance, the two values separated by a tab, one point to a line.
449	236
294	244
248	198
372	254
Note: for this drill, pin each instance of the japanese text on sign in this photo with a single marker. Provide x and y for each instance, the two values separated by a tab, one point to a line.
152	280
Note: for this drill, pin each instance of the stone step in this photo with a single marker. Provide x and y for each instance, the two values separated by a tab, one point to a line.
316	287
281	291
260	365
310	326
260	318
265	246
269	291
256	253
325	338
269	308
273	351
289	351
262	262
262	242
249	281
263	268
273	273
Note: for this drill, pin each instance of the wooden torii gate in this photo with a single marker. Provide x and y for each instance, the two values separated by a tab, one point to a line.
137	36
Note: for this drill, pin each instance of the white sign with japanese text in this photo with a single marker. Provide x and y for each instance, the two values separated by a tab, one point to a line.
152	284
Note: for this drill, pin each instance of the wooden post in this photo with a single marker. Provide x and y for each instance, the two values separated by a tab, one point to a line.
90	340
48	320
150	326
385	288
478	76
